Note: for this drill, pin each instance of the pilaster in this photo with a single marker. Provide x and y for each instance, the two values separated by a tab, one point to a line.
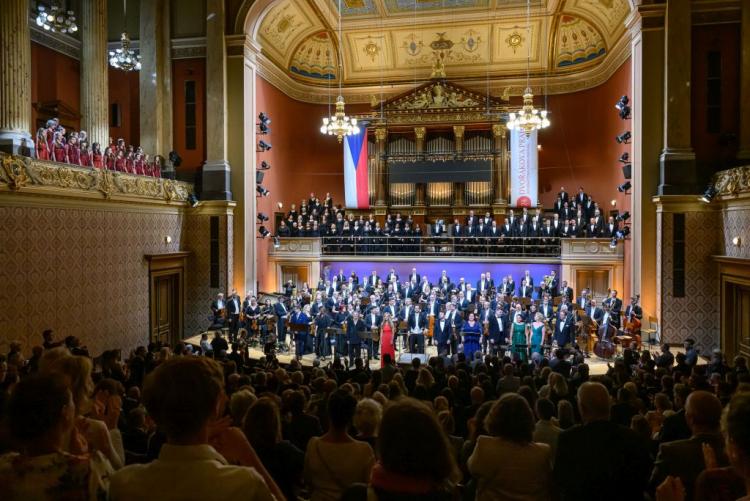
499	165
94	73
381	195
744	146
15	79
420	189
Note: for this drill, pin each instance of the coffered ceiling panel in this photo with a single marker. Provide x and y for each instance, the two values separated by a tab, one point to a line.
609	15
285	26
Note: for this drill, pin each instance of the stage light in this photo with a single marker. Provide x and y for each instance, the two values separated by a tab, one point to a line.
264	118
624	137
262	191
264	146
259	174
708	195
623	108
263	232
625	158
262	217
276	242
192	200
627	171
621	234
624	216
264	165
280	205
624	187
613	243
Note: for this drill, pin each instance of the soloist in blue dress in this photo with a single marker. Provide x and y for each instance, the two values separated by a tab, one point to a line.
471	339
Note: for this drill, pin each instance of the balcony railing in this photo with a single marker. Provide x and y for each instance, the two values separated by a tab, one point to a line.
441	246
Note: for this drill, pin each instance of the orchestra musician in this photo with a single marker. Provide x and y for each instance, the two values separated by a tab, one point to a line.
498	324
303	320
417	328
563	332
455	322
634	309
218	309
355	325
373	322
233	311
282	314
442	332
614	304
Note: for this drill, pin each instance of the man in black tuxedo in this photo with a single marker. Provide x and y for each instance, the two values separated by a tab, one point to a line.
483	285
441	332
566	291
471	219
372	321
591	457
498	328
525	290
581	196
562	333
563	194
633	309
615	307
234	306
594	311
417	326
684	458
610	228
372	281
547	309
458	229
592	230
414	276
405	315
354	326
437	228
282	313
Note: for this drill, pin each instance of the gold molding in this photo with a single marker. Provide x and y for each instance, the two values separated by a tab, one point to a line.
682	203
23	173
212	208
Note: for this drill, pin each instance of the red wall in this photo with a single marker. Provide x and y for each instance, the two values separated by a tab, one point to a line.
184	70
579	148
55	77
124	90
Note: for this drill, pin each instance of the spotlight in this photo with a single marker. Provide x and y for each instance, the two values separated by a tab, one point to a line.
627	171
624	187
624	216
262	217
262	191
263	232
613	243
622	138
623	108
264	118
264	165
623	232
708	195
192	200
625	158
263	125
264	146
276	242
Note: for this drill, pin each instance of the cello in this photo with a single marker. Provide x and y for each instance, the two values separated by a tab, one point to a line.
632	325
604	346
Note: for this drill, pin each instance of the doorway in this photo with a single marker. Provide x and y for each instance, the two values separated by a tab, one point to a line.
166	297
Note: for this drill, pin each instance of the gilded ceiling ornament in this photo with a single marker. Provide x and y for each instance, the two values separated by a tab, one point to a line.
372	50
441	49
13	173
412	45
515	41
471	41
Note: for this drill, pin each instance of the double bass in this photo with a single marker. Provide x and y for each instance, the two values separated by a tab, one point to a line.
605	346
632	325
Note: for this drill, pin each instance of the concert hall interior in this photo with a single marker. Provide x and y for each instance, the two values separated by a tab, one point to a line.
329	229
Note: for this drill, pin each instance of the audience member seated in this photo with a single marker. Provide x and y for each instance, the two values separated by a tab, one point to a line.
52	461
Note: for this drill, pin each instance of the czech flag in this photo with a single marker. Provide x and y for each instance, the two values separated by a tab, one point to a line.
356	180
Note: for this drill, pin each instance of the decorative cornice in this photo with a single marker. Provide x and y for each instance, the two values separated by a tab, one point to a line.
22	174
682	203
188	48
732	182
58	42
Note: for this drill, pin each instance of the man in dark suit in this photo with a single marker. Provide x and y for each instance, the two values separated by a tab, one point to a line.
581	196
218	307
562	332
666	358
372	321
458	229
414	276
592	230
282	313
483	285
234	306
437	228
372	281
442	333
592	457
417	325
498	326
610	228
525	290
684	458
594	311
471	219
566	291
354	326
615	307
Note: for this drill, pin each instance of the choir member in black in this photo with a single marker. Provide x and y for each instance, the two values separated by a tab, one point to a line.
592	230
610	228
355	325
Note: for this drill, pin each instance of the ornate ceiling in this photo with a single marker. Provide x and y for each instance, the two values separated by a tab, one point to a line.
395	42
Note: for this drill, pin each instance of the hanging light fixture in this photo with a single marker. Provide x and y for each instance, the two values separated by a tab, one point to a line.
125	58
56	19
528	118
339	124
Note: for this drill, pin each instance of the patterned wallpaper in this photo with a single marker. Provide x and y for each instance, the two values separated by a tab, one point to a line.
82	272
736	223
696	314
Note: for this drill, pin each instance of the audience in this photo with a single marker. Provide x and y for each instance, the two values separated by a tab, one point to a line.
189	424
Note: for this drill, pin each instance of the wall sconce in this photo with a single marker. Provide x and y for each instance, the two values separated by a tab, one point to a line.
736	241
167	239
538	147
613	203
280	205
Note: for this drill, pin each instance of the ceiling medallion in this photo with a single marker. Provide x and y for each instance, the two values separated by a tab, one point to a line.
514	41
412	45
372	50
471	41
441	49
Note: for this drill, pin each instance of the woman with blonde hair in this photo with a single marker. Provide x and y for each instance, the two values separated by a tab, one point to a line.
367	418
97	424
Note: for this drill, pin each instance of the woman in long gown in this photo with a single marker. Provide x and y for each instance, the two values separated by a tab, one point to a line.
538	334
519	338
386	339
471	331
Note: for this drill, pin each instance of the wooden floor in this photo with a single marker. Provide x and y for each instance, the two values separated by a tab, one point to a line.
597	365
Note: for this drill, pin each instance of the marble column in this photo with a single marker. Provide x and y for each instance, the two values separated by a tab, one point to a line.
744	146
94	73
500	153
646	27
381	194
677	162
420	188
15	78
216	170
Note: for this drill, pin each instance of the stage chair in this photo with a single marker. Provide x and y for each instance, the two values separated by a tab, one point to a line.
650	334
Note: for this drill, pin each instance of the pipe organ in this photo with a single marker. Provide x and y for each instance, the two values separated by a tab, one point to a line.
438	151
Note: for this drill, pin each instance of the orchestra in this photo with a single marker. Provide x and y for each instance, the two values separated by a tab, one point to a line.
345	317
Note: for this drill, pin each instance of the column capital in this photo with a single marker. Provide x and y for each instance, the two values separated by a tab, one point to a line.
420	132
646	16
458	131
499	130
381	133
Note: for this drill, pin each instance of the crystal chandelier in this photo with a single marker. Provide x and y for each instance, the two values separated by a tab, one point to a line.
56	19
528	118
339	124
125	58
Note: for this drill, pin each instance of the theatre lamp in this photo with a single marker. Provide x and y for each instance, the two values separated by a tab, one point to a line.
262	191
624	187
263	124
625	158
624	137
708	195
264	165
192	200
263	232
276	242
262	217
624	216
623	107
264	146
613	243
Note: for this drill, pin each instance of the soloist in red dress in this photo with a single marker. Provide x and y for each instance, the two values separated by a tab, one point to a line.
386	343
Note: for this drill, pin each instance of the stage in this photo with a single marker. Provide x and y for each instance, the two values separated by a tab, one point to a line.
597	366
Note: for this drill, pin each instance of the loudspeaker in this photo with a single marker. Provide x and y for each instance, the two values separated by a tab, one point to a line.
627	171
259	176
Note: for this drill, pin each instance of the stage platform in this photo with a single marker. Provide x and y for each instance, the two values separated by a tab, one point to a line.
597	366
